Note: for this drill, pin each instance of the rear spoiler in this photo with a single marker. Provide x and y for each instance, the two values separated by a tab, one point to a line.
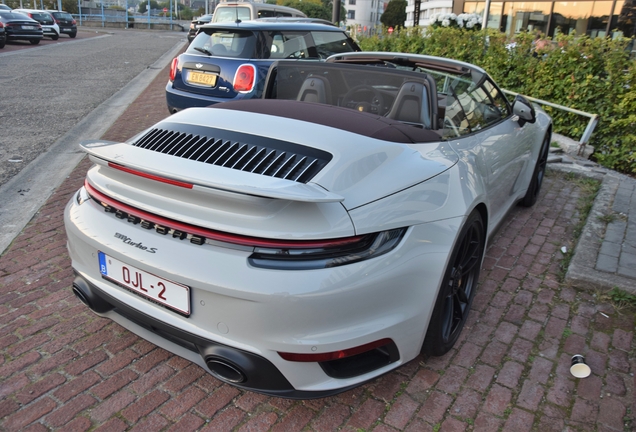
202	177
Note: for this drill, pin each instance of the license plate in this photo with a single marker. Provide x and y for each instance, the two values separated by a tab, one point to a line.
195	77
171	294
26	27
66	29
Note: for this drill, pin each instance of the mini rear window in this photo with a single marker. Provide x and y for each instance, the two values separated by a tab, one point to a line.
224	43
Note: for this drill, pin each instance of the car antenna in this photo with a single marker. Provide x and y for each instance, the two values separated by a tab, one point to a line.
236	13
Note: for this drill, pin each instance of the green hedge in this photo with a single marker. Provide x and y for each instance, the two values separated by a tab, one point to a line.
591	75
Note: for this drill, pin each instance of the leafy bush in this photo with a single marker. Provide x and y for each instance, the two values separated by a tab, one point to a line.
591	75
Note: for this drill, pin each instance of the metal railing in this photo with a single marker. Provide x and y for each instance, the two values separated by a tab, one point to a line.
587	133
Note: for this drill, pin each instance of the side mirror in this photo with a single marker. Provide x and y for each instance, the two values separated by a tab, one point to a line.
523	109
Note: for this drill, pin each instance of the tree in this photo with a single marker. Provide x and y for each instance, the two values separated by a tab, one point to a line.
313	9
395	14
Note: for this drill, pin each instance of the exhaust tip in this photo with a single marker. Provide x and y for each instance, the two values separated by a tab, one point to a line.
86	295
225	371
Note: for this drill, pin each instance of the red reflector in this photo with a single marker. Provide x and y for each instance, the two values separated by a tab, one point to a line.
335	355
173	68
150	176
244	78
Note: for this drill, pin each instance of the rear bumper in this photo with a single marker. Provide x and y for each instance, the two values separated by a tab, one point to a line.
258	373
178	100
251	314
68	29
23	36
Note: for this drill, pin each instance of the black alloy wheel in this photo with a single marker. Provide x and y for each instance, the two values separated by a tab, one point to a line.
458	288
539	173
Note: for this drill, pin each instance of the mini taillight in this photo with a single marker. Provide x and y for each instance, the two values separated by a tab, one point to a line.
173	68
244	78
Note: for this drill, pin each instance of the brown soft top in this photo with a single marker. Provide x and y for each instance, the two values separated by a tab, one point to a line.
361	123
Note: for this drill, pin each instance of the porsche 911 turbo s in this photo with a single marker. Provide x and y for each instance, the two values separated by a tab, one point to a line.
304	243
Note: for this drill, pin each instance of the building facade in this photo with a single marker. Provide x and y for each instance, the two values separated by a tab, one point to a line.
427	10
584	17
591	18
363	16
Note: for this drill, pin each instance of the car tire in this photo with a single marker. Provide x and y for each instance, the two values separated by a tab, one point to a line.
34	41
72	35
2	43
538	174
458	288
56	37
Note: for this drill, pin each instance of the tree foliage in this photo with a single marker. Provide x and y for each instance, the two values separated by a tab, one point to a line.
592	75
313	9
395	14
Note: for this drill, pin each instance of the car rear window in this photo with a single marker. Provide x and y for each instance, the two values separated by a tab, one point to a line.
224	43
63	15
232	13
15	16
42	17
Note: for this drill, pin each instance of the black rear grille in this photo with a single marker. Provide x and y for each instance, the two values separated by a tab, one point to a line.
243	152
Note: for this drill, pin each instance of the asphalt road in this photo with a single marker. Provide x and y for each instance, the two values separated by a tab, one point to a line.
46	90
56	94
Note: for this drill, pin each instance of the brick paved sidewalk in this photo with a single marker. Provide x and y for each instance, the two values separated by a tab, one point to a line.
63	366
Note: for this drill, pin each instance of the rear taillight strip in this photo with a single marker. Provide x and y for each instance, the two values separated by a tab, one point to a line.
159	223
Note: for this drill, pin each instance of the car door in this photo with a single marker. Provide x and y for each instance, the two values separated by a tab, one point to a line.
501	148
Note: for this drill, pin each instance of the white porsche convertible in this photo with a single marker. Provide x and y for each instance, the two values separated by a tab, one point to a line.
304	243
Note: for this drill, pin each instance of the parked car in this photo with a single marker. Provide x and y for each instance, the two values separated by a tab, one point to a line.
65	22
4	7
245	11
18	26
49	26
304	243
3	35
229	61
194	25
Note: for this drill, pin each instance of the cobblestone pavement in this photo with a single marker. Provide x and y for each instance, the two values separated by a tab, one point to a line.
63	366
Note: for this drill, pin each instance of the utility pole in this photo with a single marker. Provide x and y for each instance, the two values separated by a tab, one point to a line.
335	14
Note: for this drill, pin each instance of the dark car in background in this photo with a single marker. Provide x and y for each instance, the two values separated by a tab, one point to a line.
49	26
66	22
18	26
3	35
194	25
229	61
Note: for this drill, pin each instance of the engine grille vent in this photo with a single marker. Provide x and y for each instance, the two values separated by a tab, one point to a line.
237	151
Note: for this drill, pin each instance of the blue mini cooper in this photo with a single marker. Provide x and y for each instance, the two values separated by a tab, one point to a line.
229	61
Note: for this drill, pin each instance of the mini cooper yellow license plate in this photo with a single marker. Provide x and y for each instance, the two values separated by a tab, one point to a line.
202	78
170	294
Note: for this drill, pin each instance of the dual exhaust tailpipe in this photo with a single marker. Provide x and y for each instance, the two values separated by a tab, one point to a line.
223	362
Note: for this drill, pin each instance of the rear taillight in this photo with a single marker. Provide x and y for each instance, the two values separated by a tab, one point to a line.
173	68
1	25
74	22
57	21
326	254
244	78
